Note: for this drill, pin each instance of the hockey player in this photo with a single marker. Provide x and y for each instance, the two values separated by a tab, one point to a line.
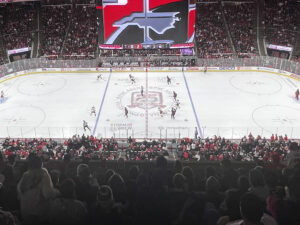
161	113
85	125
196	133
2	94
168	80
93	111
173	112
126	112
177	104
297	95
174	95
205	69
132	79
142	90
99	77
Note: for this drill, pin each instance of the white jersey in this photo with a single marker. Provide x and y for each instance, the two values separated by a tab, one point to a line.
93	111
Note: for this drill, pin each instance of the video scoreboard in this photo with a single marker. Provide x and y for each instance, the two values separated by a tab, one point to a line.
146	23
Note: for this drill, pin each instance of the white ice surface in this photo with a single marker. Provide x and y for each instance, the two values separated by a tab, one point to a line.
226	104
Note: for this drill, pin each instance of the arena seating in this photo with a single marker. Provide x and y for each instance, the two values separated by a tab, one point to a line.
296	59
82	36
57	2
211	37
58	39
2	60
240	19
155	191
86	180
18	25
55	20
281	22
213	149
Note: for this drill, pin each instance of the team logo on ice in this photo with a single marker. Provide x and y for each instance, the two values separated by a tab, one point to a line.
155	99
153	21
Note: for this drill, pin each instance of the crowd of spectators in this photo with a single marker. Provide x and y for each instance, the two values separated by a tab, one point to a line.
18	25
139	52
82	34
3	60
240	20
281	21
57	2
196	149
15	42
211	36
55	20
37	191
141	61
69	27
296	58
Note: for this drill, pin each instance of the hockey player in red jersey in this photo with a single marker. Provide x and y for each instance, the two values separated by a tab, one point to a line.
126	112
297	95
161	112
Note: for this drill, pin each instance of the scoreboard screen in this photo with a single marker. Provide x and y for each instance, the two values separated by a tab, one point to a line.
144	23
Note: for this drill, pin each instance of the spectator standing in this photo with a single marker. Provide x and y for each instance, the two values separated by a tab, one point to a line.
35	190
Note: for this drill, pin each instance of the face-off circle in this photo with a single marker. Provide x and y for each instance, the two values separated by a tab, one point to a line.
256	84
274	117
41	85
27	117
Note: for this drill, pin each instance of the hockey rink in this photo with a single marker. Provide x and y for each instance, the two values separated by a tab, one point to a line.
229	104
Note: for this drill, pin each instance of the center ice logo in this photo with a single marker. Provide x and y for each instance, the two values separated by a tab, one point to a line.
155	100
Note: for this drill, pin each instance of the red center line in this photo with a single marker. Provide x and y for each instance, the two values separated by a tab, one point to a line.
146	108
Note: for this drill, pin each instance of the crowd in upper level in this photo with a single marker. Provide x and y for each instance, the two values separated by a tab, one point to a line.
241	23
55	20
18	25
211	37
82	33
68	29
282	22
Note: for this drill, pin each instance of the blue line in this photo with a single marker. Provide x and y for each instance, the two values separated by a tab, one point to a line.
101	105
191	100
